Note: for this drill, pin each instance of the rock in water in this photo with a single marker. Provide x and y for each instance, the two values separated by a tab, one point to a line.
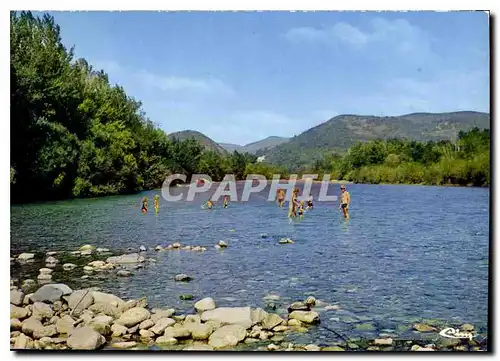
465	327
230	316
142	249
133	317
205	304
186	297
183	278
271	320
26	256
310	301
85	338
222	244
305	316
227	336
176	245
69	266
421	327
383	342
126	259
298	306
123	273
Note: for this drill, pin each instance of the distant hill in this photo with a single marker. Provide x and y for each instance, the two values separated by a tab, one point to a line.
259	146
341	132
201	138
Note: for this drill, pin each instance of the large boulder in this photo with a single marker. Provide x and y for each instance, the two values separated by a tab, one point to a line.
106	309
16	297
205	304
133	316
46	331
108	298
126	259
51	293
31	325
80	300
305	316
258	315
230	316
227	336
101	324
177	331
85	338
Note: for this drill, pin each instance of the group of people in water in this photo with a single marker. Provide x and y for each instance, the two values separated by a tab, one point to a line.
296	207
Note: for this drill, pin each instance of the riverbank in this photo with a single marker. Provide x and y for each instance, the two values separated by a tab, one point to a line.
53	316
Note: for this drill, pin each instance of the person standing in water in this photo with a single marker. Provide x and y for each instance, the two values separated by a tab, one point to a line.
144	207
156	203
280	195
292	210
310	202
226	202
301	209
345	201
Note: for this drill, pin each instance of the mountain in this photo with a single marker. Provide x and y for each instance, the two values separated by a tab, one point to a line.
202	138
231	147
342	131
259	146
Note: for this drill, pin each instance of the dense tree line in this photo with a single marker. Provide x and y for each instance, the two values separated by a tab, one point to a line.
73	134
463	162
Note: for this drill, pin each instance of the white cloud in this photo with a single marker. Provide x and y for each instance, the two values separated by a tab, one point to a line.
174	83
399	33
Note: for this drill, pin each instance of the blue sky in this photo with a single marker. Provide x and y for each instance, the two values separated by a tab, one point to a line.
240	77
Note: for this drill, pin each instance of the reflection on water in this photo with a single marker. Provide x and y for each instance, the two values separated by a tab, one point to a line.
386	268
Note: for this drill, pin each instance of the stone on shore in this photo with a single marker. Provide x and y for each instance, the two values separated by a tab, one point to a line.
69	266
51	293
22	342
177	331
133	317
227	336
15	324
44	277
124	344
42	310
85	338
146	324
65	324
205	304
161	325
467	327
230	316
45	331
199	347
16	297
45	271
30	325
166	340
383	342
80	299
108	298
305	316
18	312
199	331
118	330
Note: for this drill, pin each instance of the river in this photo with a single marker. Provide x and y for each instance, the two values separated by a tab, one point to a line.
408	254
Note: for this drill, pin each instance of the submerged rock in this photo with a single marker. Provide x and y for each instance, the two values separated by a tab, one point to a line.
421	327
222	244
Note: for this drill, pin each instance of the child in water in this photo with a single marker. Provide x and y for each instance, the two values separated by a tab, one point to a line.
209	204
301	209
310	202
280	196
226	201
345	201
144	207
157	203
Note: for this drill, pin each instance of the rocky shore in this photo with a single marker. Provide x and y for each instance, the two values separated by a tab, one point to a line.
51	316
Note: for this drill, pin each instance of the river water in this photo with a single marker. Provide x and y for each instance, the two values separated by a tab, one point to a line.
408	254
